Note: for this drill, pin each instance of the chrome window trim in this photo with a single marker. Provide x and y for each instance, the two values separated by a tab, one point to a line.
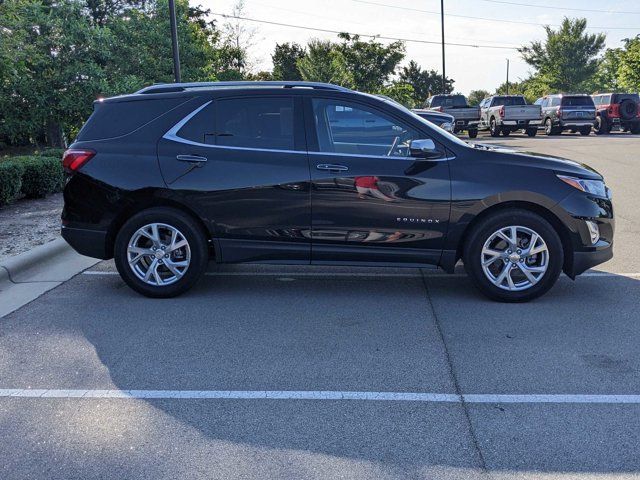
172	135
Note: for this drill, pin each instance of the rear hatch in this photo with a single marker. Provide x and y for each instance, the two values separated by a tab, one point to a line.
580	107
522	112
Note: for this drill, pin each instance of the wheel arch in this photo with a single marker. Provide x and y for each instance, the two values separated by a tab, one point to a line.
544	212
142	203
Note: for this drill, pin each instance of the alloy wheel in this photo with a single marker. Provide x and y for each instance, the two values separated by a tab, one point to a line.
158	254
514	258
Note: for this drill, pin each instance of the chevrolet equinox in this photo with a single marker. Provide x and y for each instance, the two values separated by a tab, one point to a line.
173	176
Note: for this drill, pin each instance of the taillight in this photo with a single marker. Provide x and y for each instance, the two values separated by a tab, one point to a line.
559	112
614	110
74	158
437	109
501	111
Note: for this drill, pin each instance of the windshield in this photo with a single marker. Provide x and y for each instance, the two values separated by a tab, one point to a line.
509	101
427	123
452	101
577	101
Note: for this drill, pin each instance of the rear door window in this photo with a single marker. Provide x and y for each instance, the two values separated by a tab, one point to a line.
254	122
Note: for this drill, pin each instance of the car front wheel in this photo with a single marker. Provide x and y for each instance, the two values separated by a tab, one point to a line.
513	256
161	252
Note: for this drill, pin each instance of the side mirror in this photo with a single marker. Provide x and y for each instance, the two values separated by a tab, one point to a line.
424	149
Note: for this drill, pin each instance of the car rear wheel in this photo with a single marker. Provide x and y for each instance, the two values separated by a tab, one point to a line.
584	131
494	129
513	256
549	128
635	129
473	133
161	252
532	132
601	126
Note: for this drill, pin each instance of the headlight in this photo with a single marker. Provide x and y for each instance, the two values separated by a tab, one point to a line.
595	187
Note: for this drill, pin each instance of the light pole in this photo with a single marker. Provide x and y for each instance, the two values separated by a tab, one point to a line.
174	40
444	76
507	76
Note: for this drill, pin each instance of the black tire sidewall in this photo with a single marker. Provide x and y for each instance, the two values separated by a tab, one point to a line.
193	234
489	225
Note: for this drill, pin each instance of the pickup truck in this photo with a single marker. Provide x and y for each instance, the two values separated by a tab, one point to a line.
466	117
503	114
562	112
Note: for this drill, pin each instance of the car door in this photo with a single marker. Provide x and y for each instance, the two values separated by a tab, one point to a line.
371	201
241	164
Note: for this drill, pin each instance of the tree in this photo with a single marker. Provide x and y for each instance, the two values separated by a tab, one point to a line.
629	70
476	96
532	88
324	63
371	63
606	78
238	38
567	60
285	61
424	82
400	92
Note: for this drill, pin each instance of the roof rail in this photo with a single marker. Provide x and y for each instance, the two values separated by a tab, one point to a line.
181	87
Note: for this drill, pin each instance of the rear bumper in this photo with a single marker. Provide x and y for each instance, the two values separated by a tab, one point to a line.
576	123
91	243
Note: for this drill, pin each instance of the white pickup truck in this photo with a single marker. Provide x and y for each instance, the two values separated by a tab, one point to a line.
503	114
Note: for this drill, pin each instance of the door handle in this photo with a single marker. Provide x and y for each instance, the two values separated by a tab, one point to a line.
332	167
191	158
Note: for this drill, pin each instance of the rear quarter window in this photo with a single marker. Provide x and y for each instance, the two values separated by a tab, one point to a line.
115	119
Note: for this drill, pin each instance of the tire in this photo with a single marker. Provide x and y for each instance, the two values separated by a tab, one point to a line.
194	253
548	128
601	126
635	129
628	109
485	233
505	132
494	129
585	131
532	132
473	133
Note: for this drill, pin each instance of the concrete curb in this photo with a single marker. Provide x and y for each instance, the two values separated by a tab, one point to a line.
25	277
13	266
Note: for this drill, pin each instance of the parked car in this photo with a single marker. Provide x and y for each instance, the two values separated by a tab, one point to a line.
466	117
174	176
617	110
442	120
561	112
503	114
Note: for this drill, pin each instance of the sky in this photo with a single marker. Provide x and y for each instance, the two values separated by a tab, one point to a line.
472	68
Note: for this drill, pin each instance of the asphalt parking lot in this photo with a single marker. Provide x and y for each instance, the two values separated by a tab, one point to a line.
289	372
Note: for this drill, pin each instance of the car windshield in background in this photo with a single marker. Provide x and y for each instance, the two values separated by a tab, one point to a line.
457	101
577	101
509	101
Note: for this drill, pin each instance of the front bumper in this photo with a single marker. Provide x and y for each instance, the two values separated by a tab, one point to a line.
91	243
583	261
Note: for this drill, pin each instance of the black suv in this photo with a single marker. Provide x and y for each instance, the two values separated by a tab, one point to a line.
567	112
176	175
619	110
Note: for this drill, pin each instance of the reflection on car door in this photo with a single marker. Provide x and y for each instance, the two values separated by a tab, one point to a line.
371	202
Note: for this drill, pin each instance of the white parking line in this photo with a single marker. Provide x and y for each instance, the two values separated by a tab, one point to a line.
320	395
358	274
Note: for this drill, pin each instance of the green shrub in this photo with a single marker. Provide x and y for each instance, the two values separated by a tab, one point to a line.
10	180
41	175
51	152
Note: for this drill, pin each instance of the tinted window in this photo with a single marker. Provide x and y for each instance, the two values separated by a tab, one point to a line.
619	97
451	101
200	127
577	101
114	119
255	122
509	101
344	127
